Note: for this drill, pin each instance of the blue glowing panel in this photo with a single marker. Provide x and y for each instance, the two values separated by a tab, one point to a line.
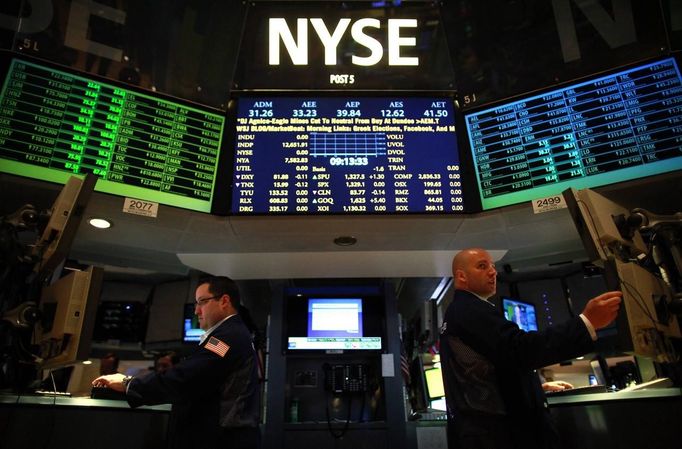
614	128
346	155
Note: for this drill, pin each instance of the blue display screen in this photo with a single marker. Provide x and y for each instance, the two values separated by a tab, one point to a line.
346	155
521	313
334	317
609	129
191	332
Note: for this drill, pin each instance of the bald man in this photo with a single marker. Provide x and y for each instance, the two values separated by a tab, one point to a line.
493	395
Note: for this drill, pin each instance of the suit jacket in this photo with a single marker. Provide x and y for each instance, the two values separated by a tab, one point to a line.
494	397
209	392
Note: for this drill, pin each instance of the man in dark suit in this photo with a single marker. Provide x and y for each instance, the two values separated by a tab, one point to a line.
215	391
493	395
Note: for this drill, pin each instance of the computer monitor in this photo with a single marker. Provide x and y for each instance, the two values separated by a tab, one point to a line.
346	155
521	313
139	144
594	217
334	323
122	321
191	332
65	217
645	323
606	128
68	308
600	370
648	323
419	396
434	383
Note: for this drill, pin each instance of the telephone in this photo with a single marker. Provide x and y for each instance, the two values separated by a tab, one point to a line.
349	378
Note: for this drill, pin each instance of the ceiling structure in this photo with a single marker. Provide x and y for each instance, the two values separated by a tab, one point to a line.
412	253
409	246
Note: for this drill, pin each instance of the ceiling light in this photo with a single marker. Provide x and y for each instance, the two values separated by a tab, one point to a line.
441	289
100	223
345	240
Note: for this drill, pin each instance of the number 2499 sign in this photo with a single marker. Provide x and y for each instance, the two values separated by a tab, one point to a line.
139	207
549	203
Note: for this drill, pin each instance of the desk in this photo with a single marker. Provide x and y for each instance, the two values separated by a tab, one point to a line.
29	422
630	419
627	420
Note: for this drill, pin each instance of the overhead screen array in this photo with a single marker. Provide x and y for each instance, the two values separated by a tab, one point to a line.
54	124
341	154
622	126
312	155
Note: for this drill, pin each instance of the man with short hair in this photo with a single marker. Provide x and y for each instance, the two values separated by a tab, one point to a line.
108	364
166	360
215	391
493	395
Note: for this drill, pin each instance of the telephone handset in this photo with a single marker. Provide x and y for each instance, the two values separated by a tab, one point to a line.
349	378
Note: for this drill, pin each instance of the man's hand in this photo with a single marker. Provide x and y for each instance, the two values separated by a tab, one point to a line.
113	381
600	311
557	385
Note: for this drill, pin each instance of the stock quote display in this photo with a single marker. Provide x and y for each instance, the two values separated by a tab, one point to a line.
346	155
55	124
614	128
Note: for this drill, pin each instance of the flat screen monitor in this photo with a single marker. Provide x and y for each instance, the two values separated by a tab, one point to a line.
419	396
122	321
434	383
607	129
66	214
191	332
141	145
599	370
595	219
346	155
68	311
645	322
521	313
334	324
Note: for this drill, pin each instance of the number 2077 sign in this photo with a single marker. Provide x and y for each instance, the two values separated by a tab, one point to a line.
549	203
139	207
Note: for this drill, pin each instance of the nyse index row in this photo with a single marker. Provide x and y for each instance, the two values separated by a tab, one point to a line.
346	155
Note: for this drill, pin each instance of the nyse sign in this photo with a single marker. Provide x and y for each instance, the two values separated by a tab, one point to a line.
297	47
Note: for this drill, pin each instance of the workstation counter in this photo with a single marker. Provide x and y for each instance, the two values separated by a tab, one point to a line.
28	422
647	418
637	419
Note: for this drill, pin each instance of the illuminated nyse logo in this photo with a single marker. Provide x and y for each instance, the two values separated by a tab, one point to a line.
298	47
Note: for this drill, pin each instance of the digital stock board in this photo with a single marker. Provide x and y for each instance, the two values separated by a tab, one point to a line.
612	128
54	124
317	155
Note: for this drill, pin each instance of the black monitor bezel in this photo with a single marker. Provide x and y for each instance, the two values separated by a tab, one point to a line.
373	313
525	303
7	56
230	139
465	145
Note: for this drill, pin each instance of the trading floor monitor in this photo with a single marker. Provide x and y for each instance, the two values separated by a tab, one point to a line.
593	216
65	217
646	322
69	309
646	302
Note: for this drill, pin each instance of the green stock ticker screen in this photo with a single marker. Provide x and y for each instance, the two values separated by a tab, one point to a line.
55	124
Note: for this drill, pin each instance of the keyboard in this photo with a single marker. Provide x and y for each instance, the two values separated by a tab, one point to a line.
106	393
588	389
60	394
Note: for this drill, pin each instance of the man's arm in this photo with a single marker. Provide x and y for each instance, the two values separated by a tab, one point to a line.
114	381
